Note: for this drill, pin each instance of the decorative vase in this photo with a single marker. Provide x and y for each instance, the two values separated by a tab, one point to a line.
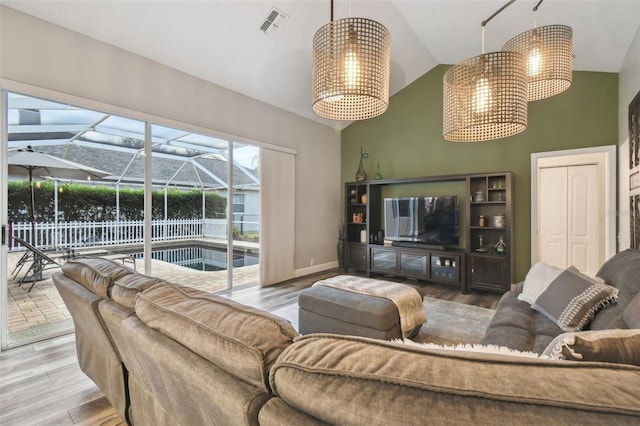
363	199
361	174
340	253
378	175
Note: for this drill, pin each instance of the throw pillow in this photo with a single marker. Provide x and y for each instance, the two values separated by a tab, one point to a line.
537	280
615	345
572	299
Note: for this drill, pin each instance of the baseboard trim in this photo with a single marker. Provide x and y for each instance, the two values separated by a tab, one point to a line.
314	269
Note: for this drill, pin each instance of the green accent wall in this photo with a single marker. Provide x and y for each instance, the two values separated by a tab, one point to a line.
407	140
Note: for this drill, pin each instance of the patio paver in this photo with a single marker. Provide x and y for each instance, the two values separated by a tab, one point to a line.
43	310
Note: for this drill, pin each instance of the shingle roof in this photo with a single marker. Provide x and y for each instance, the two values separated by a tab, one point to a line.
165	170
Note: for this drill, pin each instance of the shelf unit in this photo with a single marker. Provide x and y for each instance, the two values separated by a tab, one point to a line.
467	267
369	254
490	225
359	196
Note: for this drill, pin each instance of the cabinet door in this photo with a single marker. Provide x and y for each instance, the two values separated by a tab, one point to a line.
383	260
357	256
414	264
445	268
489	273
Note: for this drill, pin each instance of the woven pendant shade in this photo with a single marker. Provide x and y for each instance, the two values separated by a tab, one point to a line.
351	60
548	53
485	98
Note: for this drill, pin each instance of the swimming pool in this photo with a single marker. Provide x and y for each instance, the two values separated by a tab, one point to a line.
200	258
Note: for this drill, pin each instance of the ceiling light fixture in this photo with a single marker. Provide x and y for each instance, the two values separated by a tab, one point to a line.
485	97
351	61
549	55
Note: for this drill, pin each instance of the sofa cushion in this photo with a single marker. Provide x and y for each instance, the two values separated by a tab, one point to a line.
512	324
545	331
616	345
572	299
631	314
517	326
95	274
125	289
623	272
241	340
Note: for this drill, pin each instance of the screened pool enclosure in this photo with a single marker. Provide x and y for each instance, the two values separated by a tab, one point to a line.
220	176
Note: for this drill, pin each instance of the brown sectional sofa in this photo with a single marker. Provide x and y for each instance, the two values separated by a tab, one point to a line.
194	358
184	357
168	354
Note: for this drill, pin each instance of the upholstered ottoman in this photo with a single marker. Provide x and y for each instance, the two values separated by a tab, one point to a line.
334	306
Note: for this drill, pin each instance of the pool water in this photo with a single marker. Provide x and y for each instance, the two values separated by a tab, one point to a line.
200	258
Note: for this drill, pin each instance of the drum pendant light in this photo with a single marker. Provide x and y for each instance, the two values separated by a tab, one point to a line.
548	53
351	62
485	97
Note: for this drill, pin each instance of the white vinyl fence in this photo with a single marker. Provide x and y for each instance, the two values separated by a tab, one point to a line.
78	234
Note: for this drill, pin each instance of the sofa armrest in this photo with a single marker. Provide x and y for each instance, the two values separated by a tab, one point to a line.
98	356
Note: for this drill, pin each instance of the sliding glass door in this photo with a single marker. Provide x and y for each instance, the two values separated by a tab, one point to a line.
244	212
202	227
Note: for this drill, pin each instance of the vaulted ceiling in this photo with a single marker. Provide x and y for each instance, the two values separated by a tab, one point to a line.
221	41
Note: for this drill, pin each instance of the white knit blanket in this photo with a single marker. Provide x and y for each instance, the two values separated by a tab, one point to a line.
406	298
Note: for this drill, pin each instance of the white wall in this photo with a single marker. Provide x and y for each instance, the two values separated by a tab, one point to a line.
37	55
628	87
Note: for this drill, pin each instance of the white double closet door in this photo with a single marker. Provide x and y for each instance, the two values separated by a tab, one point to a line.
571	211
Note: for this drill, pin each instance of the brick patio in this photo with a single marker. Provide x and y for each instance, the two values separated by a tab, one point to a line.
42	309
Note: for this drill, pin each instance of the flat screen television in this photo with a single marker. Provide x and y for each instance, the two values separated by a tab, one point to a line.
428	220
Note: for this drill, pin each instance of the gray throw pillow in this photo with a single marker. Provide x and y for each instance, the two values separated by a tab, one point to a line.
615	345
572	299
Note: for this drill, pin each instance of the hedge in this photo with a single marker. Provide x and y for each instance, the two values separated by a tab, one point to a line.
78	202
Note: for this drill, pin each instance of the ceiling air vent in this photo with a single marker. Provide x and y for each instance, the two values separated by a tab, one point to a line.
271	22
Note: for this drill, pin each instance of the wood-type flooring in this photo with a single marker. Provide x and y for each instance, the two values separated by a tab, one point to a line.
42	384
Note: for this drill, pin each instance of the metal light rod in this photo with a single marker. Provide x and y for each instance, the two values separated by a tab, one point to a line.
486	21
535	9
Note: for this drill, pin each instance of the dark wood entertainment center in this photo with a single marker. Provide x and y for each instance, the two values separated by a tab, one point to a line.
477	263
